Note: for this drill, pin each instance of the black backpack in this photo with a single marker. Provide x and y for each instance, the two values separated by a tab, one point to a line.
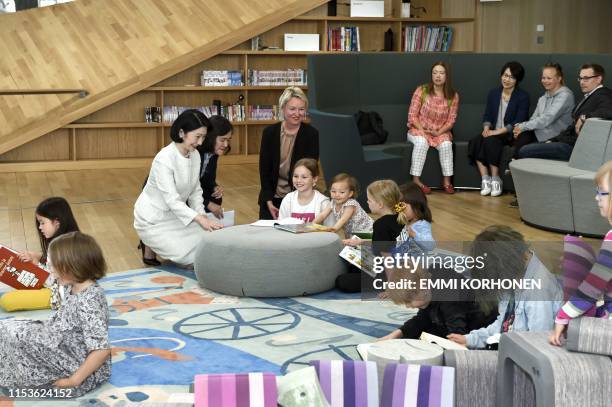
371	129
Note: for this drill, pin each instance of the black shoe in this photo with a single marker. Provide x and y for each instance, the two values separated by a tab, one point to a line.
514	203
148	262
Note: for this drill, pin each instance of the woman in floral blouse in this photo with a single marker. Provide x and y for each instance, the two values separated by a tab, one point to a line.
431	117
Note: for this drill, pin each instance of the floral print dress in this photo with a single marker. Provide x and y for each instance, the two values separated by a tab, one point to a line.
34	354
359	222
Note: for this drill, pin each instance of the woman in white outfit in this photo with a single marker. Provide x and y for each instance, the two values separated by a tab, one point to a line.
169	214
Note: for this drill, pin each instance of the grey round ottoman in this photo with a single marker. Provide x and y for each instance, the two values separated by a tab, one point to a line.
264	262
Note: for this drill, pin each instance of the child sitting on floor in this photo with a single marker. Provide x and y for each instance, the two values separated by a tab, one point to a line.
383	196
508	257
347	213
414	213
53	218
71	349
598	282
305	203
439	313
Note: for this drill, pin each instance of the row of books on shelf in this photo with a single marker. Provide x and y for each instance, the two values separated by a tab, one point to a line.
221	78
291	76
426	38
343	39
234	113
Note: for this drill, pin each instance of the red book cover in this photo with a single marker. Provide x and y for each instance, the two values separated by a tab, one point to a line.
18	274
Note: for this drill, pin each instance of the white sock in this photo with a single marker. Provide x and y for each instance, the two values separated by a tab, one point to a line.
486	178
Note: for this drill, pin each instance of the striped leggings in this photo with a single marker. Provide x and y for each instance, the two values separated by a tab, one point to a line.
419	154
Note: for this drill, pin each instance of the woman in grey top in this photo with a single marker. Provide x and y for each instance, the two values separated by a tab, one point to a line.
554	111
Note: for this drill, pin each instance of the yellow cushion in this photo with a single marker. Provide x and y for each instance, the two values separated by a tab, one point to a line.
24	300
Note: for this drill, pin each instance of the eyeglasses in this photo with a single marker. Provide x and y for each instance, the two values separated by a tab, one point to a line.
506	76
586	78
600	194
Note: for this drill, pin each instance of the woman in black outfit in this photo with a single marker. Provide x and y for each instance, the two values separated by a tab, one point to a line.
282	145
216	143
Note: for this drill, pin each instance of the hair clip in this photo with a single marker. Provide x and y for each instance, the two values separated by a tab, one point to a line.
399	207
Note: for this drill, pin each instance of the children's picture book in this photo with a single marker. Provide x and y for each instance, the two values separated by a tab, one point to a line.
361	257
271	222
18	274
302	228
229	218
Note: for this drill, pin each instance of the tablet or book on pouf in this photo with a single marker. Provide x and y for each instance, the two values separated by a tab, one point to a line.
18	274
303	228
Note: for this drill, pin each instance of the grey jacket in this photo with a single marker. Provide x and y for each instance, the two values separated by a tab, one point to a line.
552	114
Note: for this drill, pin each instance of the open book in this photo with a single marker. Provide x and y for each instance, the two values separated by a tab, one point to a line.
303	228
18	274
271	222
361	257
363	348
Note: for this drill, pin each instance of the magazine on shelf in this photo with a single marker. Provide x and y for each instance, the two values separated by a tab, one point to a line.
19	274
302	228
361	257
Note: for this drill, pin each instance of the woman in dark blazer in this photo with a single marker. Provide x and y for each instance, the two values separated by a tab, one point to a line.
282	145
507	105
216	143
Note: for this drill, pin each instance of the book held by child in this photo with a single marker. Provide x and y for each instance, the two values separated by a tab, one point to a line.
18	274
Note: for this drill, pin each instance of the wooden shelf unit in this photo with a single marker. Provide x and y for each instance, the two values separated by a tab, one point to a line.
118	132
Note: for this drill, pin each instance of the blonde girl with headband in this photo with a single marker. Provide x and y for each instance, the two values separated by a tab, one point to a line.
383	198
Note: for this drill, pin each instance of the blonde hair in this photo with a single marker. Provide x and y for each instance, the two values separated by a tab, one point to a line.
77	255
288	93
403	296
386	192
603	177
351	181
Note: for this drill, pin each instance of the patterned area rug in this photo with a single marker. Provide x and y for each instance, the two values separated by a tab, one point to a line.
165	329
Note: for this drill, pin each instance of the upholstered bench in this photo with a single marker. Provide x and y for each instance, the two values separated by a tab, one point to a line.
264	262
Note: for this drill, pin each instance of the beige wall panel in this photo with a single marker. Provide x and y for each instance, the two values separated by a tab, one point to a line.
569	26
115	143
53	146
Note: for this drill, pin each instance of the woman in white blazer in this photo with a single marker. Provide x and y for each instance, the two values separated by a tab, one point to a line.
166	224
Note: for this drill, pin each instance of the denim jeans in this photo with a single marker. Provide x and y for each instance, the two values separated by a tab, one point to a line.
549	151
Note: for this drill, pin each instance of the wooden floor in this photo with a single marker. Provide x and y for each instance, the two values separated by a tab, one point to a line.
103	200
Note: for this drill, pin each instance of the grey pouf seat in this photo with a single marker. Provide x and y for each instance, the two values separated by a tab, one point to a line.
264	262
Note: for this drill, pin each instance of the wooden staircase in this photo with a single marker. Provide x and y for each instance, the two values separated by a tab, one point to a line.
113	49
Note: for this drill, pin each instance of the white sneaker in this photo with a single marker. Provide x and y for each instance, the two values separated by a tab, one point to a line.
496	188
485	187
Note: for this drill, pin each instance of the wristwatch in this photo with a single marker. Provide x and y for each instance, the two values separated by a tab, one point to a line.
583	117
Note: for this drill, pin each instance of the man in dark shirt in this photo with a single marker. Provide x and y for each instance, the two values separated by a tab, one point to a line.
597	103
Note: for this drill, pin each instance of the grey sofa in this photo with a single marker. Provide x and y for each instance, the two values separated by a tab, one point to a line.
559	195
340	85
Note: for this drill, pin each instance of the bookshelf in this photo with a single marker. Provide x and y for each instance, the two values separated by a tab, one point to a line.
119	131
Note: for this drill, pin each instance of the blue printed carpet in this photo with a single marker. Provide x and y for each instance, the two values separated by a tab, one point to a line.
165	329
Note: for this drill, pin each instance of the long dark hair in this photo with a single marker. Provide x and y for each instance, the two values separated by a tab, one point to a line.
58	209
414	196
449	92
219	126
